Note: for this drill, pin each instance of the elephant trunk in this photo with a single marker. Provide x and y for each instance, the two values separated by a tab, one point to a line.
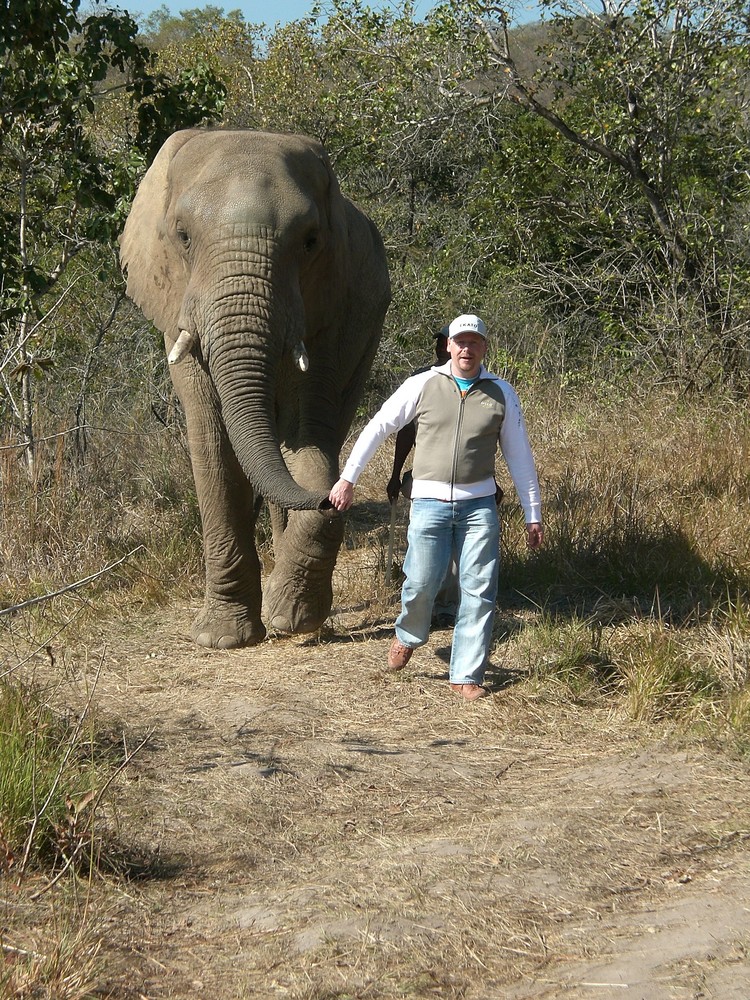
244	368
259	455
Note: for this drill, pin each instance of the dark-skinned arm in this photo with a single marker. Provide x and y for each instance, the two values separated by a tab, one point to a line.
404	444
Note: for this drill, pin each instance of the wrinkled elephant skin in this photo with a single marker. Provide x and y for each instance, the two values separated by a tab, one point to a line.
270	289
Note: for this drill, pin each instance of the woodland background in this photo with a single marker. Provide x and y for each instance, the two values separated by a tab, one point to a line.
583	182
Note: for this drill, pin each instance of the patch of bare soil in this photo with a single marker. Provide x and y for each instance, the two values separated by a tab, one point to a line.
316	828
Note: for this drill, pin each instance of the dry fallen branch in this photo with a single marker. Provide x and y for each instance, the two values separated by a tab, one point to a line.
71	586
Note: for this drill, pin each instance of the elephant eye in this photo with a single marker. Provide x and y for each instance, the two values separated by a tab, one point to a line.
184	237
310	243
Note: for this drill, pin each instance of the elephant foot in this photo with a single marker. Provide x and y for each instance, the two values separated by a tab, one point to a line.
298	604
226	626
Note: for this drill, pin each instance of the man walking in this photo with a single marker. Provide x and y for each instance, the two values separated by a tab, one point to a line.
462	413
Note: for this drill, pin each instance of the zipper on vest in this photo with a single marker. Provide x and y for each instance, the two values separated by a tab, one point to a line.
457	437
463	393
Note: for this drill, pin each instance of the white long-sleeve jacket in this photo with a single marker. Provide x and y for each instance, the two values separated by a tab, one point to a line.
457	438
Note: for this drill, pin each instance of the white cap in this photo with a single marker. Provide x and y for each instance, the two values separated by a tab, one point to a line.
467	323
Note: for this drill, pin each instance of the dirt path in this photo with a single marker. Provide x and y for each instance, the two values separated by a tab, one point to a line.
317	829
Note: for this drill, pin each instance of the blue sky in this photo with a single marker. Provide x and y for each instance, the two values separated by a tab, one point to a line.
255	11
282	11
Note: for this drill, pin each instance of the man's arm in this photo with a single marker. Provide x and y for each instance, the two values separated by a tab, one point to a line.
514	444
395	413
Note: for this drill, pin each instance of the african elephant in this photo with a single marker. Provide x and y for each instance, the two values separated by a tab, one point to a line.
270	288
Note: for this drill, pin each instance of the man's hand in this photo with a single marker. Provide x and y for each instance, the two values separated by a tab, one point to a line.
393	487
342	494
534	535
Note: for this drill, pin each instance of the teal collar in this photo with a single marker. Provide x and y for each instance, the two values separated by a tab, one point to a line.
465	383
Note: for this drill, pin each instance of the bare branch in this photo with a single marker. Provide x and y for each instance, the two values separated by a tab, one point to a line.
72	586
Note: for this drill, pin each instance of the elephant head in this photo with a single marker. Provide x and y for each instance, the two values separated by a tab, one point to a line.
235	248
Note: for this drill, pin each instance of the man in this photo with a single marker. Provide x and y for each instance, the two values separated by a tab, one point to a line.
462	412
446	599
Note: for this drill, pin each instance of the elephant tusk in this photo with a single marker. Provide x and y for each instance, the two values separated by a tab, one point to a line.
300	357
182	346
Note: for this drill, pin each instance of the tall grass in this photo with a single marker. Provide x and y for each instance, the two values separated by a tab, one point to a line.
640	597
70	969
54	777
693	678
643	501
48	783
644	575
129	502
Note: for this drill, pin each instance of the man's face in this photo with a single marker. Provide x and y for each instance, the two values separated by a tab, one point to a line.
467	352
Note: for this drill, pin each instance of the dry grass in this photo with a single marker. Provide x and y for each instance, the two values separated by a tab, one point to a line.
67	969
301	825
643	495
321	829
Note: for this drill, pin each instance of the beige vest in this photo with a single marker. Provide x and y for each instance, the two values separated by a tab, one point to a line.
457	437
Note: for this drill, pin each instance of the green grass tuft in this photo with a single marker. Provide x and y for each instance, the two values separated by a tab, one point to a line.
47	784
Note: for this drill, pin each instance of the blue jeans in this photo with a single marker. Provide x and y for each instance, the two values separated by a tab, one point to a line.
446	599
436	529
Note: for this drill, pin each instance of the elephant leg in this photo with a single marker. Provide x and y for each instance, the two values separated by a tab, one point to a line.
230	616
298	593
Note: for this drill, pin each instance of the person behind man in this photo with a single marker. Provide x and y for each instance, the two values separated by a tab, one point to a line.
462	412
407	435
446	599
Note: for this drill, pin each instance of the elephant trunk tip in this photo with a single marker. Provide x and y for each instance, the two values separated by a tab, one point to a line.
319	503
323	505
310	501
326	508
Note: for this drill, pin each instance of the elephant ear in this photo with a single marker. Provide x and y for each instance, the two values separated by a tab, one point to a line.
156	276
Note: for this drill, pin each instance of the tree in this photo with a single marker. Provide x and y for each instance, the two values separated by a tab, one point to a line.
224	45
367	83
63	190
650	100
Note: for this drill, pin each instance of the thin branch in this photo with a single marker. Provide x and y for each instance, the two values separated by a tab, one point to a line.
88	427
103	328
630	162
71	586
20	344
45	644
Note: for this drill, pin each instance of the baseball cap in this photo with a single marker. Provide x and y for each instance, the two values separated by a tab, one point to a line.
442	332
467	323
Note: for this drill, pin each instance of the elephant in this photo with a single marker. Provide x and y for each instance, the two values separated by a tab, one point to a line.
270	288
